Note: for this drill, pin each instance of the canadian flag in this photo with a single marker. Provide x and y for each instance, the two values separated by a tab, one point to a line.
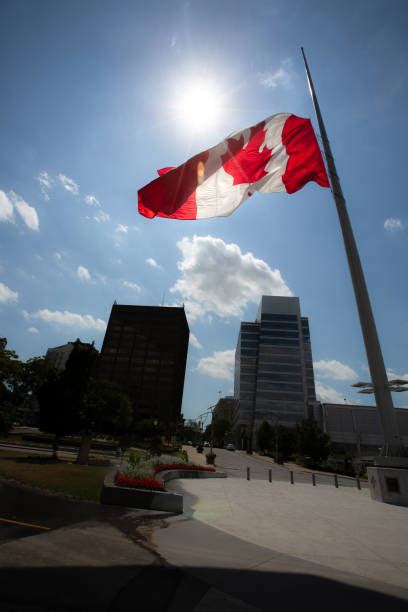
278	154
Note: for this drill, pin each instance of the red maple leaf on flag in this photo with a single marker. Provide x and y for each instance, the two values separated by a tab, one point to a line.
246	164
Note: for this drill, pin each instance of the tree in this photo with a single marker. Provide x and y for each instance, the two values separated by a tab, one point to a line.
220	428
104	409
56	415
11	377
35	374
264	437
7	415
11	388
286	441
150	432
312	444
74	402
61	396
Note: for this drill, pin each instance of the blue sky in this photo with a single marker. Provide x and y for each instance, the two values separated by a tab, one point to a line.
88	112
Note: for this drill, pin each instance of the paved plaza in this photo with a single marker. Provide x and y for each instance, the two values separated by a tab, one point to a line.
322	531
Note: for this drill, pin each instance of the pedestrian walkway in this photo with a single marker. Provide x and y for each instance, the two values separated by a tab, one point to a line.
341	529
194	457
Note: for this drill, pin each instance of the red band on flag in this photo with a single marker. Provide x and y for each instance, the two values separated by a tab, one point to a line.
305	161
173	194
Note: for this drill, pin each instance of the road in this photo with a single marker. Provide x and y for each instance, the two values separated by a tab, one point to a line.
235	464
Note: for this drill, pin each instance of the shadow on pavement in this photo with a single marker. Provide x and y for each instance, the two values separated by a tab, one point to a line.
25	504
157	588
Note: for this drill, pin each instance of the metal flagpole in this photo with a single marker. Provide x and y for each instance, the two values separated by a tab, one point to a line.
393	445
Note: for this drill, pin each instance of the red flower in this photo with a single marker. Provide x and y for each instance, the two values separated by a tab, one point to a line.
138	483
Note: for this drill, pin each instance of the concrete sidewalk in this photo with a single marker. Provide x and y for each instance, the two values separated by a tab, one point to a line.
283	532
264	579
93	566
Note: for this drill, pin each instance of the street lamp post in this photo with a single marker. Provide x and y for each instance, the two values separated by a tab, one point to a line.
396	385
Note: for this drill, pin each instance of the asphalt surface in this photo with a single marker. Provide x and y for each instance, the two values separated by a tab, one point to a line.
235	464
25	512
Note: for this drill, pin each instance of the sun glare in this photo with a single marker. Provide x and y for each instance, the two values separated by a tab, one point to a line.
199	105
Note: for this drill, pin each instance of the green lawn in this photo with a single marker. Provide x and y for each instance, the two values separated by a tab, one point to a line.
79	481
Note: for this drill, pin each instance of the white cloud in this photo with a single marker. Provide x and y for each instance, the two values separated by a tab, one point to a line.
122	229
282	77
152	263
194	341
393	224
46	183
133	286
219	365
7	295
69	184
68	319
334	369
101	217
58	256
217	277
328	394
26	212
6	208
101	278
91	200
33	330
83	273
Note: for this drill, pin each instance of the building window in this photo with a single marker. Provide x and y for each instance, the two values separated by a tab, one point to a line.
278	317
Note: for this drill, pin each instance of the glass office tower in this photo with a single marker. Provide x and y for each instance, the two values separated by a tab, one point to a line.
274	379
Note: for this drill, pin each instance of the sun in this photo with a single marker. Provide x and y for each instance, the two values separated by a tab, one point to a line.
199	105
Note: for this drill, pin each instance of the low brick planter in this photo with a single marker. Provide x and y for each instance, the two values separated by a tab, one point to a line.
139	498
151	500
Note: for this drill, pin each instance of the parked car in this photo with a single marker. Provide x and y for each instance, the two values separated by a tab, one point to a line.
206	444
230	447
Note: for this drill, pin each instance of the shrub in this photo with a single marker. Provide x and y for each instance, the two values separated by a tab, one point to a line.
168	459
210	458
140	471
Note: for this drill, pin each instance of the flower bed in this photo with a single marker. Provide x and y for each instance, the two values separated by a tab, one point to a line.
160	467
151	484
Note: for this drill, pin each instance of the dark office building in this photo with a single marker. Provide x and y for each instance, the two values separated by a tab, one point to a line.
274	379
145	351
